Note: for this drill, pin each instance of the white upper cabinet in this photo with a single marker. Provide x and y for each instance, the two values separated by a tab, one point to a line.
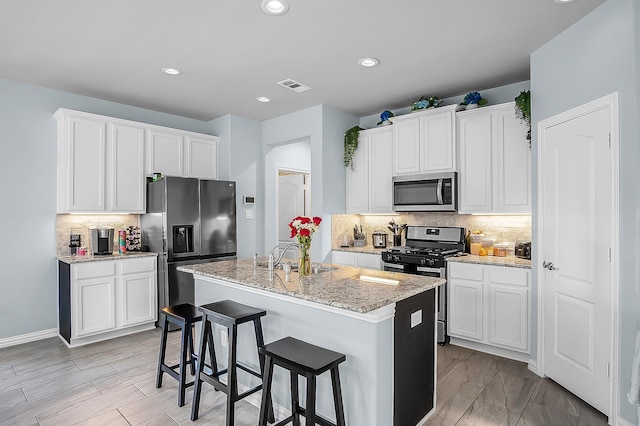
202	157
100	164
495	161
82	153
165	153
369	180
126	186
424	141
102	161
184	154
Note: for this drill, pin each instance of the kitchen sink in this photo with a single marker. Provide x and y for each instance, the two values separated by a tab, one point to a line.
316	268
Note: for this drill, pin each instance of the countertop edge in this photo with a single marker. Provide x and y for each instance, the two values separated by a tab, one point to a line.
374	316
508	261
90	258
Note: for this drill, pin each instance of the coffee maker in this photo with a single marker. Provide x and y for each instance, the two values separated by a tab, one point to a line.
101	240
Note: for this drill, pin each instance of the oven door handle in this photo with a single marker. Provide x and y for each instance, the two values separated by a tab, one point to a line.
425	269
393	265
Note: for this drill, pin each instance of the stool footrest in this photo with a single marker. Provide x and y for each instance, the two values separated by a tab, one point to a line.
170	371
249	392
248	370
319	420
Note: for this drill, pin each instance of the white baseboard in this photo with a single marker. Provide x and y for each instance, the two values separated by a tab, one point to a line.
622	422
29	337
490	349
533	367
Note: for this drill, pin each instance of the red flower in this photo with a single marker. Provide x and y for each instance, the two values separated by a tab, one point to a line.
317	220
293	233
305	232
305	220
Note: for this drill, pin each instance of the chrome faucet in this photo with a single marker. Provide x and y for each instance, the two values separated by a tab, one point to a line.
282	252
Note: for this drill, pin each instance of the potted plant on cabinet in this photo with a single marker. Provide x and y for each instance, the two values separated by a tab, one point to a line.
523	110
350	144
384	118
473	100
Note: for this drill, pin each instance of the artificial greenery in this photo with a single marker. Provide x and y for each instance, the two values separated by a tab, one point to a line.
350	144
424	103
523	110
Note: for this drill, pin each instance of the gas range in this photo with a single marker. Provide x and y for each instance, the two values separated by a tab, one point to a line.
432	256
426	246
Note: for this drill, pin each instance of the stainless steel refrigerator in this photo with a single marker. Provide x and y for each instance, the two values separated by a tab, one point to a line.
188	221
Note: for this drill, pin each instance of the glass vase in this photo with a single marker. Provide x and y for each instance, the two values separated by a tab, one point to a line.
304	259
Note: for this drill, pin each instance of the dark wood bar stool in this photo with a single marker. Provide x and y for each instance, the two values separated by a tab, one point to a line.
229	314
184	316
304	359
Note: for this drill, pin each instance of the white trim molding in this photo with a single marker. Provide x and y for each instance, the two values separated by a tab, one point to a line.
29	337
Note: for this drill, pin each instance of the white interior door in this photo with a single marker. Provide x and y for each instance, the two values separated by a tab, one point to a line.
291	202
577	238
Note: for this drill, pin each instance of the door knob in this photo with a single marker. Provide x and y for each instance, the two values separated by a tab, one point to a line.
549	266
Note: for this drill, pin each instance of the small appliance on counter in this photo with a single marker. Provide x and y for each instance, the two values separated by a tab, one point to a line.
101	240
523	249
75	241
379	239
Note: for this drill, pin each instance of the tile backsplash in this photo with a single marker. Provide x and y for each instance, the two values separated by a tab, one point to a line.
503	228
67	224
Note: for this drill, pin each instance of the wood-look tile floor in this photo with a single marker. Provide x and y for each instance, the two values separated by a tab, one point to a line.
113	383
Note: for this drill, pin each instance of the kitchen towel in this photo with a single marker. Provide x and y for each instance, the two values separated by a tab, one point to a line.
634	392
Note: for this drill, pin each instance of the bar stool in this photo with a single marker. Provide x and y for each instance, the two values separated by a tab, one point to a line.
184	316
229	314
302	358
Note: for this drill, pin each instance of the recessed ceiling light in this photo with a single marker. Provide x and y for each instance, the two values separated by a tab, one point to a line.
263	99
171	71
563	1
368	62
275	7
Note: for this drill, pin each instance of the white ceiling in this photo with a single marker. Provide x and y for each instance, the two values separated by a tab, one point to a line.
230	52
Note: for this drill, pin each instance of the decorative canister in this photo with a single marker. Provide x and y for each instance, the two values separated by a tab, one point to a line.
122	240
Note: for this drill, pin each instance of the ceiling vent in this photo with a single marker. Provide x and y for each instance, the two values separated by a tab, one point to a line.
294	85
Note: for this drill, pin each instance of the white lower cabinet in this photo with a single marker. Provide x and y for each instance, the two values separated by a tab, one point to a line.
490	305
94	306
357	260
104	299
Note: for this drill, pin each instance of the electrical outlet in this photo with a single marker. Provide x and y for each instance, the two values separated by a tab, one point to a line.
224	338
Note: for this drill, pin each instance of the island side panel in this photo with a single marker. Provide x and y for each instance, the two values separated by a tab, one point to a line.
366	376
414	358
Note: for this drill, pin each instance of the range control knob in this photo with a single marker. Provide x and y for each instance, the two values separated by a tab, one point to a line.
396	258
423	261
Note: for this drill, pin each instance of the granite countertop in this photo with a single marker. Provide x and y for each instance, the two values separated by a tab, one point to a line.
101	258
365	250
341	288
512	261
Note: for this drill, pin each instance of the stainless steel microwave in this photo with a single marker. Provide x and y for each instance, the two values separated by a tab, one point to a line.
433	192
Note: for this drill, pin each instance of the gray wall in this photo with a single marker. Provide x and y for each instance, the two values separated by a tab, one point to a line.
324	128
240	160
28	272
593	58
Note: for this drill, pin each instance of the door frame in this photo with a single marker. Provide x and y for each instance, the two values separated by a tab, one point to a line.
307	183
610	101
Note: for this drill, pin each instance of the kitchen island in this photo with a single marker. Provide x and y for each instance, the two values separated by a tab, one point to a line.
384	322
